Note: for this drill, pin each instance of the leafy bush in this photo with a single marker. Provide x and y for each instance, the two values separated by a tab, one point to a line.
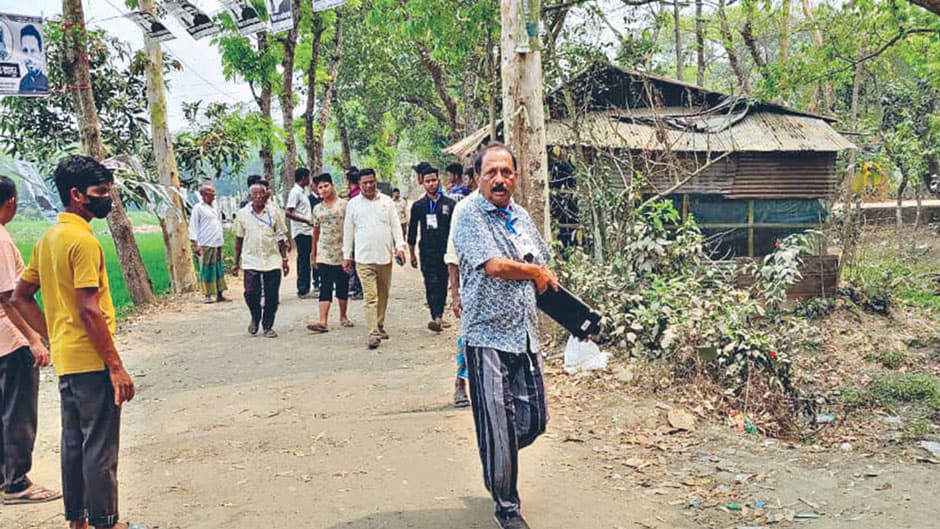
665	300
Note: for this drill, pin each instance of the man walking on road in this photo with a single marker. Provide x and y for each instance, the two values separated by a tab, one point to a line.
301	227
261	250
67	268
401	207
502	265
205	230
328	218
431	216
373	235
22	353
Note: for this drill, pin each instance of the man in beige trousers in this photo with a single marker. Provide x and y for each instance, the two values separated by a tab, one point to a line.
372	233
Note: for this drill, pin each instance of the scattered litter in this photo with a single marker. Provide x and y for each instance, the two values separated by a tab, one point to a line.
681	420
825	418
733	506
694	503
884	486
583	355
931	446
891	419
846	447
807	516
760	504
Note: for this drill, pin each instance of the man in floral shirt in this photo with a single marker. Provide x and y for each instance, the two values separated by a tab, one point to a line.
327	255
502	266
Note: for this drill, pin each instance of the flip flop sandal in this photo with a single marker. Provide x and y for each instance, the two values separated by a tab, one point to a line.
34	494
347	323
316	327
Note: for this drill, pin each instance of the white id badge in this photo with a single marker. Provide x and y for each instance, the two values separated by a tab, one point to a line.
431	221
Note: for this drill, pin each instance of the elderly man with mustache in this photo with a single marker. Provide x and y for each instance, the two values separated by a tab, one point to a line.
502	266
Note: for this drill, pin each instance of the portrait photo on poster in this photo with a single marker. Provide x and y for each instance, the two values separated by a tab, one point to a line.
197	23
281	14
22	56
246	18
152	26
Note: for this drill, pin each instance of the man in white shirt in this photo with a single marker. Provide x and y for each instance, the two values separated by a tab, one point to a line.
372	233
261	250
298	211
205	230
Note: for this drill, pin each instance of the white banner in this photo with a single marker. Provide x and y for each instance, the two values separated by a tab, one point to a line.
282	16
22	56
38	190
153	28
197	23
246	18
321	5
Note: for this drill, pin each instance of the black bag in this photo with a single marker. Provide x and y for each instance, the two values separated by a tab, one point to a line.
570	312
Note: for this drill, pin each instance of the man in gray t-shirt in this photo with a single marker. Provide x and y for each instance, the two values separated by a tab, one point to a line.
502	267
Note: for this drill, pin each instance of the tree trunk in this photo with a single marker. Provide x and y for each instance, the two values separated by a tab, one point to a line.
784	30
266	151
919	197
343	135
750	40
179	257
849	238
289	164
727	40
523	109
899	211
824	89
699	43
329	93
310	135
677	17
75	66
491	87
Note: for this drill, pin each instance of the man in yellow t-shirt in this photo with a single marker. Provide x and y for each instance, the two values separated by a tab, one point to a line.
67	268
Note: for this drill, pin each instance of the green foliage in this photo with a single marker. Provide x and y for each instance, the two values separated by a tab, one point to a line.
893	359
919	390
218	140
664	299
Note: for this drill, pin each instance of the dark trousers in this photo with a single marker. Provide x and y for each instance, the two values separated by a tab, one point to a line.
435	275
19	397
91	431
509	413
333	276
304	247
266	284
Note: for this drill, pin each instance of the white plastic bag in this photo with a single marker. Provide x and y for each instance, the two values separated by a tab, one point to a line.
583	356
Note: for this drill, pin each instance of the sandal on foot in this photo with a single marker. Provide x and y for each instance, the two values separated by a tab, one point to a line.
347	323
317	327
33	494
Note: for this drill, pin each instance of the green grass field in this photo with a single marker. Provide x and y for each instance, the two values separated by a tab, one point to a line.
26	232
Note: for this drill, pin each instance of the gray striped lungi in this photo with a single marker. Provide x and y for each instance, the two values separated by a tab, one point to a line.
508	398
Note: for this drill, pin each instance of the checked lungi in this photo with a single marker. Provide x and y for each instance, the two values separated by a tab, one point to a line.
212	272
509	411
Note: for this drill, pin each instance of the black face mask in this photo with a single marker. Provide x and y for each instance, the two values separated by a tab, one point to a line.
99	206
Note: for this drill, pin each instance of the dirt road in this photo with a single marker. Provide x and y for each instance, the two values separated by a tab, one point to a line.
315	431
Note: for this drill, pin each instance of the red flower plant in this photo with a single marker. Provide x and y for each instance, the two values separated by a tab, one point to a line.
773	354
776	246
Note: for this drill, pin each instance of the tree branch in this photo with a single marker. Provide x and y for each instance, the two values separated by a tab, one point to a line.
428	107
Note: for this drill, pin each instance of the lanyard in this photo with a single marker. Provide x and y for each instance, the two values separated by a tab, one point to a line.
432	205
269	223
506	212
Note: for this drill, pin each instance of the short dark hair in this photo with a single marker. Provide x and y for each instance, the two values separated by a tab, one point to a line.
454	168
30	30
256	179
425	168
324	177
478	161
79	172
7	187
352	175
396	190
469	172
301	173
368	171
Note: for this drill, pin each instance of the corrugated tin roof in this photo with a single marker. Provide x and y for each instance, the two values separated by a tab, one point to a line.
467	146
759	131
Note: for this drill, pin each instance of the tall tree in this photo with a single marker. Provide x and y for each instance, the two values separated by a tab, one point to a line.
75	67
523	107
699	43
289	44
329	93
310	133
179	257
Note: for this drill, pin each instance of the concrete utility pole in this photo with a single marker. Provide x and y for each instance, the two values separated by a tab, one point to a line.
523	104
75	66
179	257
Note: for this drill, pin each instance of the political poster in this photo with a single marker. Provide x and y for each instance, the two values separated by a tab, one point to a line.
322	5
22	56
153	28
198	24
246	18
281	14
